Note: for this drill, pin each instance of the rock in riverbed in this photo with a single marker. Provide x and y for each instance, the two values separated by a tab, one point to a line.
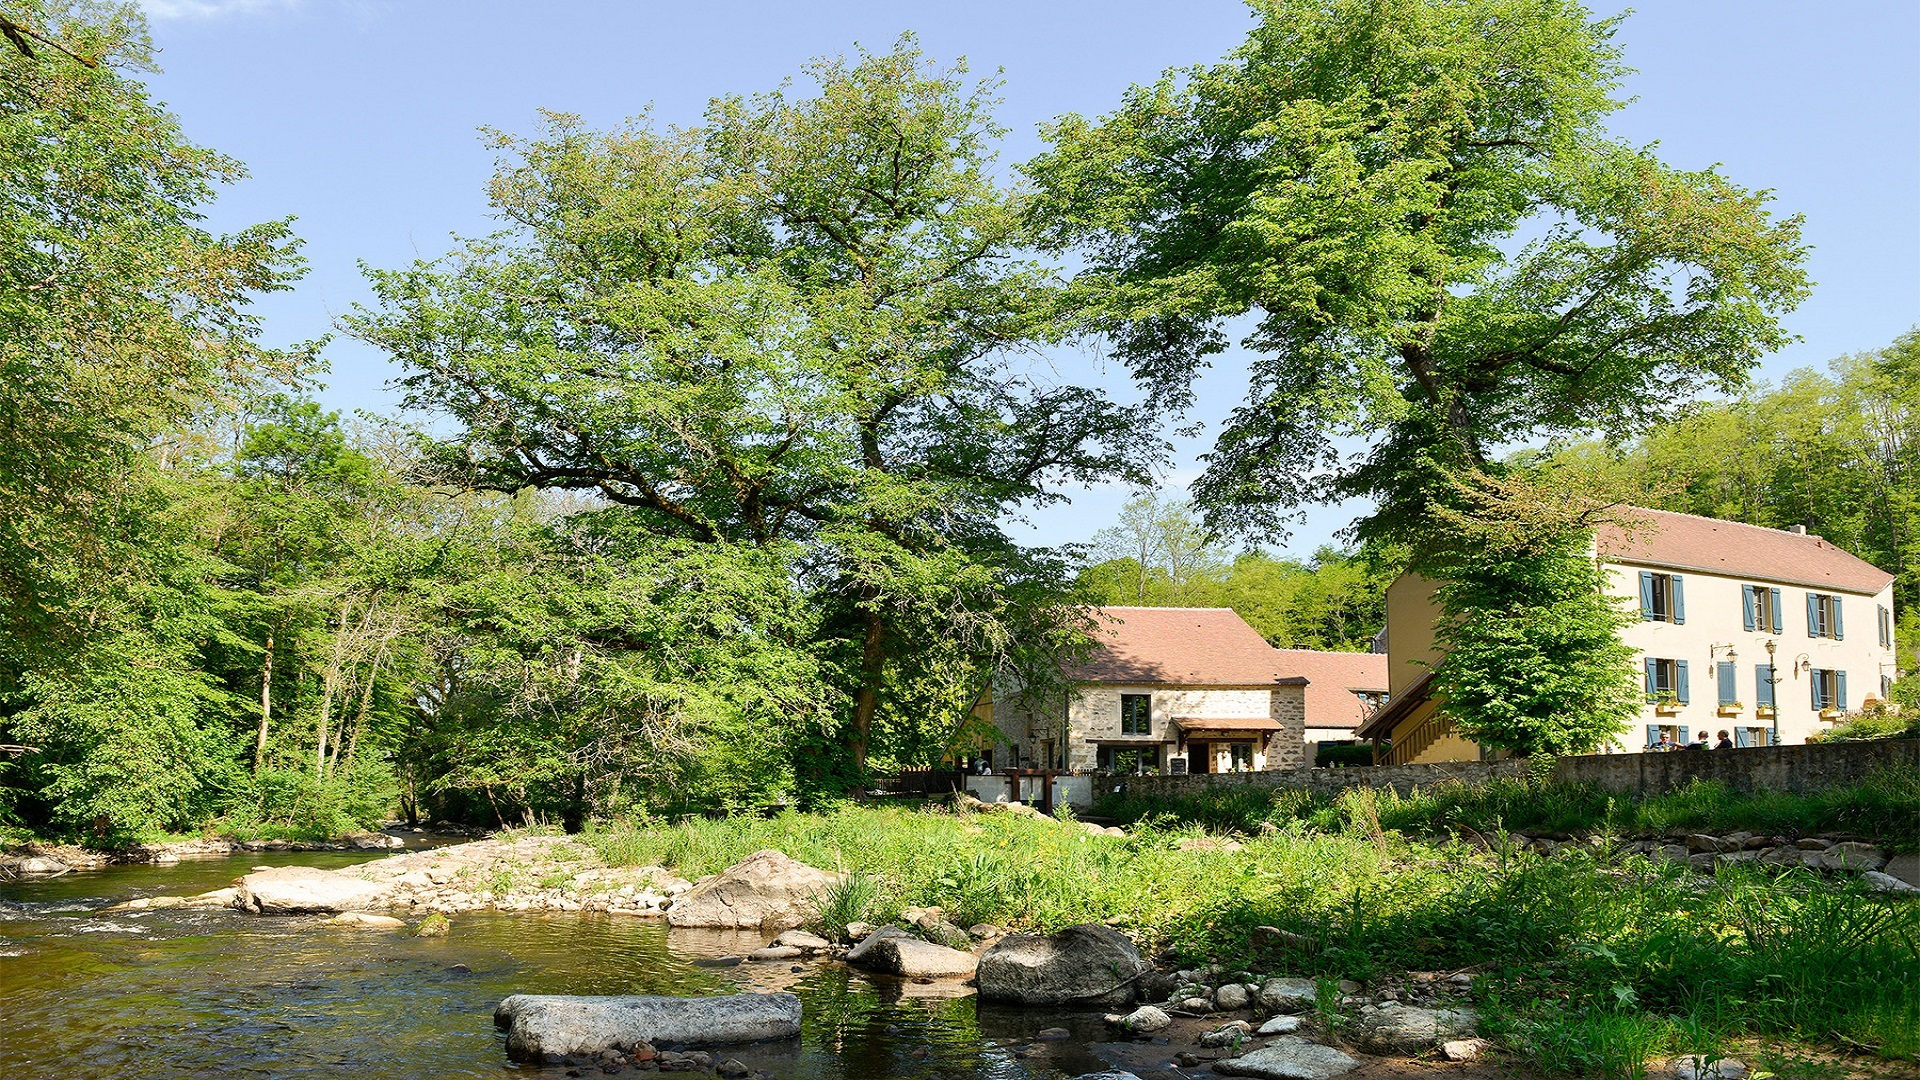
541	1024
364	921
1289	1058
295	890
1088	964
764	890
913	958
1408	1030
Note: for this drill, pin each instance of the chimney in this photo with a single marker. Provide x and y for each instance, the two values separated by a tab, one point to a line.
1797	530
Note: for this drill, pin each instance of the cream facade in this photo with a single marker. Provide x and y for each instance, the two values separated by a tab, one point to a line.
1769	635
1705	665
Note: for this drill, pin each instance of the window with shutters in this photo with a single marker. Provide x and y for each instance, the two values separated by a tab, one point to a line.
1676	736
1129	759
1666	681
1829	689
1663	597
1764	681
1729	679
1760	609
1886	626
1136	714
1752	736
1823	616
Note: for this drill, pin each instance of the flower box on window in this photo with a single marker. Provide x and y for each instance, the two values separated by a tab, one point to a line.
1731	708
1666	708
1764	712
1832	713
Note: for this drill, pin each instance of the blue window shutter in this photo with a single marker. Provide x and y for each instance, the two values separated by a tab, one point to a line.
1813	616
1651	692
1813	684
1839	627
1646	594
1740	736
1749	607
1881	609
1679	599
1680	680
1778	614
1763	684
1840	690
1729	683
1685	735
1653	736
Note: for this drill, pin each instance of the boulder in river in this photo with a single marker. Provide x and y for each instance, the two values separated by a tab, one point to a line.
364	921
33	865
764	890
1089	964
1289	1057
541	1024
1408	1029
912	958
299	890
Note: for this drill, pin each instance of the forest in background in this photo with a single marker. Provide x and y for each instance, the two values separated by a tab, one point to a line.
725	426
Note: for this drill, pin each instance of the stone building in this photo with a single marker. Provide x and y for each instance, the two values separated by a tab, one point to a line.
1187	689
1768	634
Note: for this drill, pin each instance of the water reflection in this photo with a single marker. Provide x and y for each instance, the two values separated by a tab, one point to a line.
195	993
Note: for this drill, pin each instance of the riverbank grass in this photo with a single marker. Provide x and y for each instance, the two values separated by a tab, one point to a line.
1590	961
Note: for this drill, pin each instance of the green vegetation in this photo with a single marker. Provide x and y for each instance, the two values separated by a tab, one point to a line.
1589	961
1885	806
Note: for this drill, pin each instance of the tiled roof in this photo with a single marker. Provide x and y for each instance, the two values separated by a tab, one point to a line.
1686	542
1179	646
1332	678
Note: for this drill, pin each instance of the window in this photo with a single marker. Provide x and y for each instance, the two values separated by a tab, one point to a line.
1240	757
1729	677
1886	626
1130	759
1823	616
1752	736
1829	689
1371	699
1667	681
1763	684
1663	597
1136	714
1760	608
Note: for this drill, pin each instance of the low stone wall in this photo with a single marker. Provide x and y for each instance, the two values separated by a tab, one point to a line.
1754	768
1401	778
1813	767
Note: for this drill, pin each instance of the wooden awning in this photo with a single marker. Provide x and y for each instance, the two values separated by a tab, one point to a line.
1225	727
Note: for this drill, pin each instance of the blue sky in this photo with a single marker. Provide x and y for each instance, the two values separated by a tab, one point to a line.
359	117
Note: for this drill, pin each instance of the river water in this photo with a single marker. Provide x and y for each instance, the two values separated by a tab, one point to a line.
218	993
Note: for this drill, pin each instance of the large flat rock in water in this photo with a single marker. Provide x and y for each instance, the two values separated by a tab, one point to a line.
913	958
299	890
1289	1058
765	890
1088	964
541	1024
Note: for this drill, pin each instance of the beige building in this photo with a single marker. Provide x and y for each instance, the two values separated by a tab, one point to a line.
1189	689
1767	634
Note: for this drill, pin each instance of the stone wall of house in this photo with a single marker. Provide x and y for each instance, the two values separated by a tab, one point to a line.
1286	748
1756	768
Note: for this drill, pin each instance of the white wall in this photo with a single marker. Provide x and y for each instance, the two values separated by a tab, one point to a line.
1715	617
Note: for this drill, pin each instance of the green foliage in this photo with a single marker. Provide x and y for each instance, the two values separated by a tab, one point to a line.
854	898
1586	960
1335	756
1532	660
1358	176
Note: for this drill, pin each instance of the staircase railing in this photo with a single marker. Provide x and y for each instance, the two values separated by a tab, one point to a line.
1416	742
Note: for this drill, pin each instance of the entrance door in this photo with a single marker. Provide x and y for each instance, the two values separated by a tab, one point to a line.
1200	757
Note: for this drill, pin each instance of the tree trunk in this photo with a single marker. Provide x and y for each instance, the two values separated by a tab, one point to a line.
366	701
266	706
328	684
872	666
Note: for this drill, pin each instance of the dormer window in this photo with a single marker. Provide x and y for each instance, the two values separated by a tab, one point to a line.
1663	597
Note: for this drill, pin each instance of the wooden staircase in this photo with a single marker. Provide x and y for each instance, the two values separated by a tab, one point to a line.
1416	742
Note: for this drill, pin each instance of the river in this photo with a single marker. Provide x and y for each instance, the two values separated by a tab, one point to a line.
217	993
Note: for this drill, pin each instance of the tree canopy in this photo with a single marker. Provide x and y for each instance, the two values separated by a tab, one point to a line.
1441	249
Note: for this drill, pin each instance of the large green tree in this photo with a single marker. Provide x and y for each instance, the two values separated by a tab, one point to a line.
1440	248
795	329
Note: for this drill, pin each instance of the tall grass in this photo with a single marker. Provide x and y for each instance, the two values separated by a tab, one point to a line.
1884	805
1591	962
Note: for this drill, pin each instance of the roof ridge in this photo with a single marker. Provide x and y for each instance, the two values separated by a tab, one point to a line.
1159	607
1720	521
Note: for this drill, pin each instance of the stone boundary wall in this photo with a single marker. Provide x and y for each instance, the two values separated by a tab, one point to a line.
1810	767
1401	778
1754	768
